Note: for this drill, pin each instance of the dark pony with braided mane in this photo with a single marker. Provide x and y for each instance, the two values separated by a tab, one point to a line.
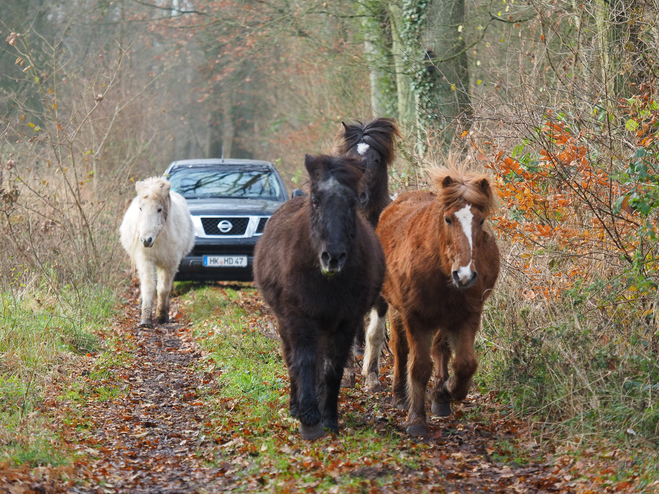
320	267
375	141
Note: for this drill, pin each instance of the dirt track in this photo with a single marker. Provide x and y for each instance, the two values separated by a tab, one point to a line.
158	436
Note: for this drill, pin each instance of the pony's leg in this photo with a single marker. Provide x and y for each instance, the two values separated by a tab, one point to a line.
338	352
464	363
375	336
165	281
441	399
419	370
400	350
348	380
147	274
287	353
302	340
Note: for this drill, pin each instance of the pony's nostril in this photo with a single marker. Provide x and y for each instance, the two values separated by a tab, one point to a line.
331	262
473	277
456	278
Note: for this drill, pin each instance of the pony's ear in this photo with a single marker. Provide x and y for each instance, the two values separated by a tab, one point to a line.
311	164
485	185
139	185
345	125
165	187
447	181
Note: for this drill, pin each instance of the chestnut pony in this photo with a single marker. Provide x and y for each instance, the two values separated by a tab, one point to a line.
320	267
442	264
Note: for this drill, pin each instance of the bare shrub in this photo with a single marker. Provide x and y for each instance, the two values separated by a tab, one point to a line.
63	192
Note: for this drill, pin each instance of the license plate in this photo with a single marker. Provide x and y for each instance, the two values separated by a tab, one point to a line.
225	261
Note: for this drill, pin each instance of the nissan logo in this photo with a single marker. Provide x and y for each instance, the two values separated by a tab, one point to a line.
225	226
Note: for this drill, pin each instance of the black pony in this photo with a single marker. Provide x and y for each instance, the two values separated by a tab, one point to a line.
375	141
320	267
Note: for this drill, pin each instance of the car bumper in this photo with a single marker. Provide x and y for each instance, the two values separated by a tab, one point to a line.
192	266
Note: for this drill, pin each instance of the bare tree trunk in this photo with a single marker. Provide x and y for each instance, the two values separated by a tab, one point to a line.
209	136
606	66
376	76
448	103
376	30
407	111
228	127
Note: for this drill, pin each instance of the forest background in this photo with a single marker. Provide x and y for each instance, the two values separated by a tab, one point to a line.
555	98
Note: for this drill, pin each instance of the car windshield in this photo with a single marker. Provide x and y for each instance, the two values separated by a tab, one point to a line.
207	183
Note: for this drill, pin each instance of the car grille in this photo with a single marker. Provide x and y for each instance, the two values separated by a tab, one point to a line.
238	226
261	227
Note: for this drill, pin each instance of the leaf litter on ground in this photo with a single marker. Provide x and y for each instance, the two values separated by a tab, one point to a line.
200	405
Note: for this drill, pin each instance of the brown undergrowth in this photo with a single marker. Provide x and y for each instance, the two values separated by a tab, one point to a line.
168	410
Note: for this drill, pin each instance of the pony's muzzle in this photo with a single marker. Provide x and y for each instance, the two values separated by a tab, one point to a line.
462	281
147	241
332	263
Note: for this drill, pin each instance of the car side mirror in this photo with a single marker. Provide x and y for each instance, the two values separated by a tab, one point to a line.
297	193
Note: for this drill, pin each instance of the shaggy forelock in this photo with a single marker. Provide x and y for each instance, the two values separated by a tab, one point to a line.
379	134
465	186
152	186
347	171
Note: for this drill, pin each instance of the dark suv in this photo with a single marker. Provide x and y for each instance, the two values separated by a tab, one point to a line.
230	201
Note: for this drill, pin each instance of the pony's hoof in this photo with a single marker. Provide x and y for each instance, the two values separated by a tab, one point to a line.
163	319
441	409
331	425
146	324
348	380
417	429
373	384
312	432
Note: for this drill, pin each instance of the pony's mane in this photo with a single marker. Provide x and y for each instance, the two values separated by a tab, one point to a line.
380	134
347	170
463	185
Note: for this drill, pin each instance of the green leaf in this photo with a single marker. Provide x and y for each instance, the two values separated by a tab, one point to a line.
631	125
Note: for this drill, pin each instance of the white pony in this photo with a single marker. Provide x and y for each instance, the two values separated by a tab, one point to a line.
157	232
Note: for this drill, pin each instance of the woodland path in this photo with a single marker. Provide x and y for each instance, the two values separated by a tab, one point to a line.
151	430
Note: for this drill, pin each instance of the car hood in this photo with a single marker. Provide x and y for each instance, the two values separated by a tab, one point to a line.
199	207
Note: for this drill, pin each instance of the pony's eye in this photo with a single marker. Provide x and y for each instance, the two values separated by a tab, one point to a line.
160	210
481	222
448	220
140	209
314	202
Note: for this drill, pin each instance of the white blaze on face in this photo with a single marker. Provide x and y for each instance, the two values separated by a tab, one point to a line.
466	217
362	147
329	184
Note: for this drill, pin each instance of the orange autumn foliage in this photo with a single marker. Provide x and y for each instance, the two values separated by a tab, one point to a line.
560	200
